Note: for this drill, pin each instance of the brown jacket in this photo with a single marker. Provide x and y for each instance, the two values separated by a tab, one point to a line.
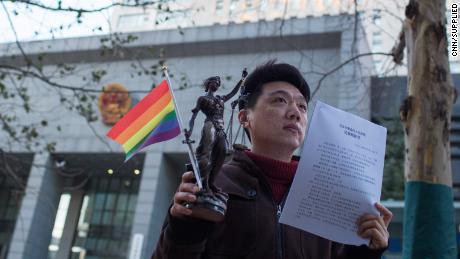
250	228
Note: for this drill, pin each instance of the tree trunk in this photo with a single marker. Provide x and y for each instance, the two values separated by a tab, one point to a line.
429	227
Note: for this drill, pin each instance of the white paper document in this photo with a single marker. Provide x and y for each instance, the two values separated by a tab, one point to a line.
339	177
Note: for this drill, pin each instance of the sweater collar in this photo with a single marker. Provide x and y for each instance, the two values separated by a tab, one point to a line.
275	169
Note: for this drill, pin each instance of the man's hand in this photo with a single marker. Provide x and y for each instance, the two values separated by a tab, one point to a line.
185	193
375	227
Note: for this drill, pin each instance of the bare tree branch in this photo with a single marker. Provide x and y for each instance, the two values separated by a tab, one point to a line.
80	11
58	85
15	34
398	50
343	64
355	28
97	135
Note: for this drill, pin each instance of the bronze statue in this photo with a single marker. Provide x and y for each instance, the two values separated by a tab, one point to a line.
212	149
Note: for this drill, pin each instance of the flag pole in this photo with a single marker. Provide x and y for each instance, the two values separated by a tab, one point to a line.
188	141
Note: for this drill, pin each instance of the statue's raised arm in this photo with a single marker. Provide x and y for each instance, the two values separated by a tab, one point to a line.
229	96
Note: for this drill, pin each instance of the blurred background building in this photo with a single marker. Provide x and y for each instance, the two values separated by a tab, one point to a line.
382	19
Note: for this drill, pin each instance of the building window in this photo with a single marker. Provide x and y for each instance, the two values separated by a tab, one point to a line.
100	213
59	225
106	218
263	4
376	42
233	5
219	6
377	17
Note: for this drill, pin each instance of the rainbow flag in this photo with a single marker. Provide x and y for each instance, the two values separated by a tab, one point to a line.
152	120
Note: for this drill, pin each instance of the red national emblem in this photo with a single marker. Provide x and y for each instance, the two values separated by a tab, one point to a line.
113	103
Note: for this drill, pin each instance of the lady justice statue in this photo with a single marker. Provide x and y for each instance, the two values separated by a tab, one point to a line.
212	149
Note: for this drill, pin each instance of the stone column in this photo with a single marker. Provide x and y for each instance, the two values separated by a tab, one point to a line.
32	233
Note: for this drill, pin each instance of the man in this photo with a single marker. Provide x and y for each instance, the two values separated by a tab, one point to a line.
273	112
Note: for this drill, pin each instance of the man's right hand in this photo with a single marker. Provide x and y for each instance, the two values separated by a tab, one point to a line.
185	193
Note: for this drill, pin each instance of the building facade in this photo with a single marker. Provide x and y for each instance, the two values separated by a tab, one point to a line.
382	20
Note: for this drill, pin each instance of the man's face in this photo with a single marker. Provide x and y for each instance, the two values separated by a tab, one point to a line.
279	117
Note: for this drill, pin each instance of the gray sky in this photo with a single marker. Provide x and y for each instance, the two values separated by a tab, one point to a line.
35	23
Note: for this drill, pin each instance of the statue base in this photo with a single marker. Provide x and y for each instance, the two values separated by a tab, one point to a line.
209	206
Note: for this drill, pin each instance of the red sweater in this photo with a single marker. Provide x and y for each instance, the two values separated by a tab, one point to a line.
278	173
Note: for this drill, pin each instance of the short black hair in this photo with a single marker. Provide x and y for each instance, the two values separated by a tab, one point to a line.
266	73
271	72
